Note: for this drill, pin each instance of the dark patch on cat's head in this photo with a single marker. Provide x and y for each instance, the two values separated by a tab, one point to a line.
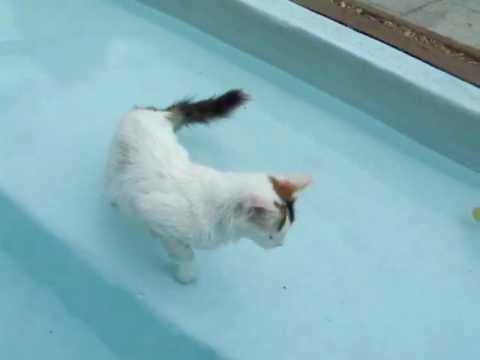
286	190
287	210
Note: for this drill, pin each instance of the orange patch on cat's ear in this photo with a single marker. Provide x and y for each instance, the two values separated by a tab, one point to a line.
288	187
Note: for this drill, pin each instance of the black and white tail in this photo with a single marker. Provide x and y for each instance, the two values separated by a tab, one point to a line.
186	112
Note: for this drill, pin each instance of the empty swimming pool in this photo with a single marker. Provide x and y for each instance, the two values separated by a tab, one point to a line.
383	263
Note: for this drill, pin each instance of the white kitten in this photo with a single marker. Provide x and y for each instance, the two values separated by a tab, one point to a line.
187	205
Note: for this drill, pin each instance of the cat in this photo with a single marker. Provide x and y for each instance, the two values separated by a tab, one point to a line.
186	205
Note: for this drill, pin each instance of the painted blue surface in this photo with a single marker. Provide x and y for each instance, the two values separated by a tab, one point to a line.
382	264
430	106
54	305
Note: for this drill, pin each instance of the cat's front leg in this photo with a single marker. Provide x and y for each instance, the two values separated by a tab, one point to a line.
182	256
184	272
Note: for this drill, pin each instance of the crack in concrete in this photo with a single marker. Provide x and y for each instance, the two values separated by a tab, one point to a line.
420	7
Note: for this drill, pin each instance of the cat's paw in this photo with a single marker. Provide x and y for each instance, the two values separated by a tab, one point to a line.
184	273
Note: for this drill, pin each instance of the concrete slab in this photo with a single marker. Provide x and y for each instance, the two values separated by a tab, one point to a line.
454	48
398	7
456	20
473	5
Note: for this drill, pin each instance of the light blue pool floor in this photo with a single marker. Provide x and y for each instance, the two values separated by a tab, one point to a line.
384	262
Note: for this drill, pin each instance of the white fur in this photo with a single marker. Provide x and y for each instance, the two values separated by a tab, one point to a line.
186	205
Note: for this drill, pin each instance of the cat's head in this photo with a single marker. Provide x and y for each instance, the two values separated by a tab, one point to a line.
269	212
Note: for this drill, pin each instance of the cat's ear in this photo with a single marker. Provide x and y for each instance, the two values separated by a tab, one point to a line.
254	206
299	182
288	186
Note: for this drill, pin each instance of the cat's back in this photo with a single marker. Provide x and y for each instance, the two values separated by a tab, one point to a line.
150	136
145	164
145	151
141	125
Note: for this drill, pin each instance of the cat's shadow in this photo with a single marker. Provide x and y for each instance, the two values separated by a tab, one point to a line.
131	241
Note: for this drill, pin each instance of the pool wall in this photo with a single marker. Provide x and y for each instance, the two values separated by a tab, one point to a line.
432	107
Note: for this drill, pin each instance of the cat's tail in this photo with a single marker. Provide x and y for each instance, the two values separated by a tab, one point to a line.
186	112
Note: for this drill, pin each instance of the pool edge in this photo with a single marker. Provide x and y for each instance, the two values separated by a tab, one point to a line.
446	111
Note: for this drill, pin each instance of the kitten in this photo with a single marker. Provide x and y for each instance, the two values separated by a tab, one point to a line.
186	205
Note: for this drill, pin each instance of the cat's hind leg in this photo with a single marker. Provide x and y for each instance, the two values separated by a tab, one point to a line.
182	256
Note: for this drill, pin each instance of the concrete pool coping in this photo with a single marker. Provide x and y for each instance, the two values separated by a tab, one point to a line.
446	115
440	51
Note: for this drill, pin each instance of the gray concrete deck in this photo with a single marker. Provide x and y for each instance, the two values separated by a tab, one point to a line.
456	19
